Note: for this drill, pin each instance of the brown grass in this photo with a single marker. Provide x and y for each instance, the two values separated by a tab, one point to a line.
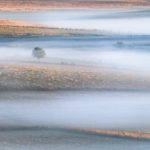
8	30
62	77
123	134
35	5
17	23
13	28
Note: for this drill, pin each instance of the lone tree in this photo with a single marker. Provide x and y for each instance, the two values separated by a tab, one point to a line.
120	44
38	53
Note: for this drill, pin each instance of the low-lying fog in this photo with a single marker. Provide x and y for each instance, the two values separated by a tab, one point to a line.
119	22
127	52
103	110
88	109
122	52
82	109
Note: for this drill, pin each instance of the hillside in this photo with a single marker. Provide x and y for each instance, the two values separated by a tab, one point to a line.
16	28
43	76
35	5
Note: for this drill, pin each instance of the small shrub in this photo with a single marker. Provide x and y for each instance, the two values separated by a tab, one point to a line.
120	44
38	53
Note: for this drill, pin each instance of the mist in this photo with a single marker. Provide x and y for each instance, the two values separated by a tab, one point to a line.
102	110
128	22
95	82
101	51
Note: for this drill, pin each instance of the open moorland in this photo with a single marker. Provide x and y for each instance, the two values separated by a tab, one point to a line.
15	28
35	76
123	134
36	5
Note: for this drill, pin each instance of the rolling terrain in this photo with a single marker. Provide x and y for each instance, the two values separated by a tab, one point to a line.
91	91
16	28
35	76
36	5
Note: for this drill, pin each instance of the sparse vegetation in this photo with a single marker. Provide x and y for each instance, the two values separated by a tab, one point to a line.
62	77
38	53
16	31
8	30
120	44
37	5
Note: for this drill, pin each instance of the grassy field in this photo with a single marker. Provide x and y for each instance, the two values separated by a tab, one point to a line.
37	5
122	134
36	76
11	30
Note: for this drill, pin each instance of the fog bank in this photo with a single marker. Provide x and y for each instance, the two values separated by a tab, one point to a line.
102	110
